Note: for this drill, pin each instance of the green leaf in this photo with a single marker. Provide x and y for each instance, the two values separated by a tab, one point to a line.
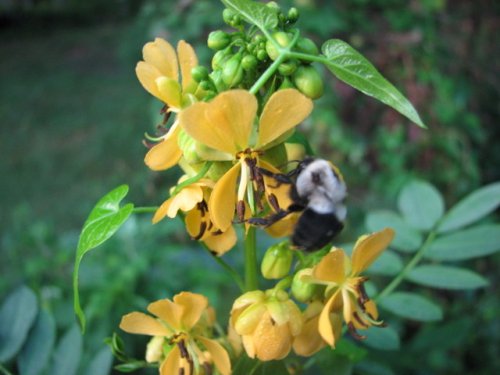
104	220
411	306
349	349
446	277
382	338
101	363
68	353
35	354
388	263
17	315
473	207
407	239
469	243
421	204
351	67
262	16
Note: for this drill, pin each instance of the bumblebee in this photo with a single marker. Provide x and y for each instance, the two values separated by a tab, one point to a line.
317	191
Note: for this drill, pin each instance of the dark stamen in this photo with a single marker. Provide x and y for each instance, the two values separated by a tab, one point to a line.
359	320
183	350
203	228
353	332
273	201
240	210
208	368
148	144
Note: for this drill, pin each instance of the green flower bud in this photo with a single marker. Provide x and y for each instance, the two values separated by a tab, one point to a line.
293	15
188	147
216	77
218	169
261	55
227	15
277	261
206	85
232	73
308	81
218	40
288	68
286	84
199	73
220	58
273	5
306	45
283	40
249	62
303	291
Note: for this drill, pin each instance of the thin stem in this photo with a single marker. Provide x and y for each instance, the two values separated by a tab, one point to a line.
236	277
4	371
144	210
409	266
251	282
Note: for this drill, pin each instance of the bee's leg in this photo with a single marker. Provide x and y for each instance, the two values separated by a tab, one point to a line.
280	178
269	220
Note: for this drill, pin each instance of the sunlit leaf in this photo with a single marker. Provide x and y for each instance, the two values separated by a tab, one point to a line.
17	316
68	353
104	220
385	338
421	204
473	207
407	239
446	277
262	16
35	354
351	67
411	306
469	243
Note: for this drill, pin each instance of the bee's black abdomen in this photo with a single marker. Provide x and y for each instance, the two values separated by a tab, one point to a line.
315	230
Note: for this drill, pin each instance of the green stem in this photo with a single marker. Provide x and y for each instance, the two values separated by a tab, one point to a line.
230	270
409	266
4	371
144	210
251	282
203	171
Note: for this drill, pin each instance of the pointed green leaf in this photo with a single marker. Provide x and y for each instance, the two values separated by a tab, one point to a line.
17	315
36	352
68	353
388	263
407	239
351	67
469	243
421	204
382	338
411	306
105	219
473	207
446	277
258	14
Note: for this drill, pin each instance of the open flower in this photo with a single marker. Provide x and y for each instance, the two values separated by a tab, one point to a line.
226	124
159	75
345	294
183	325
267	322
192	199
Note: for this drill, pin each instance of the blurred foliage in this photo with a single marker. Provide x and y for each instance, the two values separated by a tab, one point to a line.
72	116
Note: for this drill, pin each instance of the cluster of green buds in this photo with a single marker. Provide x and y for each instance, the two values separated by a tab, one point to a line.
242	56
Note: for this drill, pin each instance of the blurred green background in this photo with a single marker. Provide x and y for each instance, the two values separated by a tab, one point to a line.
72	117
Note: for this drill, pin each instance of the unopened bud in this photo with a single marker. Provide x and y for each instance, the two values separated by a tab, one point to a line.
277	261
303	290
218	40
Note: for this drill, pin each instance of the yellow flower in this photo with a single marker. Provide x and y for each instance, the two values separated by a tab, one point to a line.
309	341
159	75
345	292
226	124
192	199
183	325
267	322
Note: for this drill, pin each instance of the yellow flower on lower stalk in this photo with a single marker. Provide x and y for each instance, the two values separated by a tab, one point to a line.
345	294
180	329
192	200
159	75
226	125
267	323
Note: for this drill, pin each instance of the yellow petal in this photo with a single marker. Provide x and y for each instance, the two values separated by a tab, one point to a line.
187	61
185	200
283	227
218	353
161	212
309	341
143	324
331	267
162	56
284	110
171	364
147	75
223	124
330	325
249	319
368	249
248	298
166	153
170	91
222	203
193	221
371	309
249	345
193	306
221	242
167	311
280	191
271	341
